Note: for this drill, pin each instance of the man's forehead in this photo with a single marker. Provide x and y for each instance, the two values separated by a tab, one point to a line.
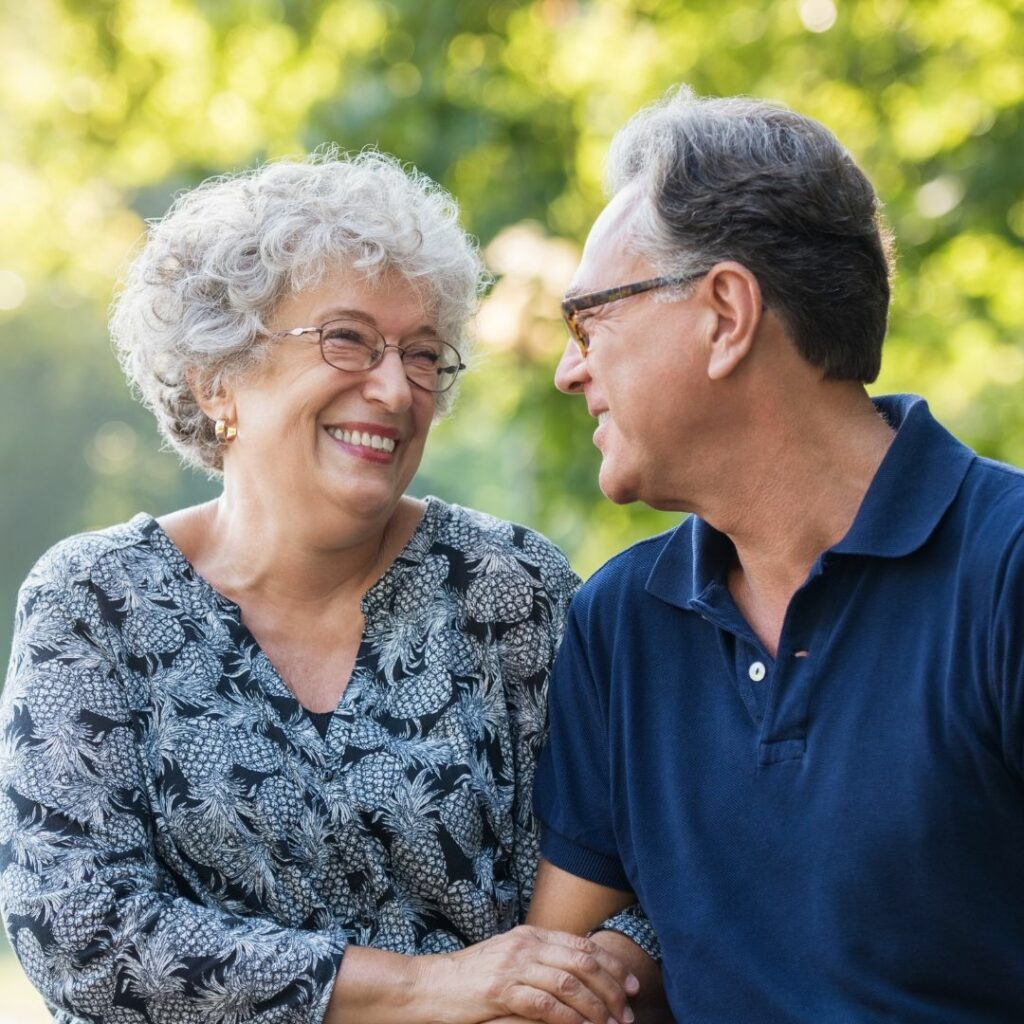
607	260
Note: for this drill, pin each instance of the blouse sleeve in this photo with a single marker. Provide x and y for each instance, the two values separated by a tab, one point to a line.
530	705
93	916
526	686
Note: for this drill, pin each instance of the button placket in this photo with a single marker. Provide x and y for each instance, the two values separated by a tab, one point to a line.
752	683
782	738
785	725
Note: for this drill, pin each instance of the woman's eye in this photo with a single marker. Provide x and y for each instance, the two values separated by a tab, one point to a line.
344	336
426	355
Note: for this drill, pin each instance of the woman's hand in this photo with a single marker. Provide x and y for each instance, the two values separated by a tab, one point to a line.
530	973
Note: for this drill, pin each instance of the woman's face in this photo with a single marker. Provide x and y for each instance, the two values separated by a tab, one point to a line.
302	423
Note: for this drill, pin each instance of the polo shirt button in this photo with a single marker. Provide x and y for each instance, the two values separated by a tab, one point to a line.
757	671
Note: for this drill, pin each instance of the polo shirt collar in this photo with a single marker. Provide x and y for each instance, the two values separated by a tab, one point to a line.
915	484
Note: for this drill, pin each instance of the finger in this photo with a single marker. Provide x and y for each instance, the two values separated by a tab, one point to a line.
580	984
602	973
608	960
535	1004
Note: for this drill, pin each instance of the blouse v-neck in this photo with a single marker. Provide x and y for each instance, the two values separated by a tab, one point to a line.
410	553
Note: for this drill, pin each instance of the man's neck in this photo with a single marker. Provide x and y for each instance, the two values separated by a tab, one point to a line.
793	493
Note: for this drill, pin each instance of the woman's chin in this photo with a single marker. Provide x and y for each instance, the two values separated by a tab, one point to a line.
365	498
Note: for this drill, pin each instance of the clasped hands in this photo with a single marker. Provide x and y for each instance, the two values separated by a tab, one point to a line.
533	974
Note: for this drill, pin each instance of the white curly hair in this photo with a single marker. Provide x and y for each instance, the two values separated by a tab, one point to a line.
195	301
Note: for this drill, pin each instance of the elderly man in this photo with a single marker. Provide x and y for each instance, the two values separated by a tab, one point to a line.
794	726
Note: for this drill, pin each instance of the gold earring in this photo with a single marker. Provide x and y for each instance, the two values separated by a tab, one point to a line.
226	432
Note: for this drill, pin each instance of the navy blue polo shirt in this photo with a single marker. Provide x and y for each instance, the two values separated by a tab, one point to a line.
835	834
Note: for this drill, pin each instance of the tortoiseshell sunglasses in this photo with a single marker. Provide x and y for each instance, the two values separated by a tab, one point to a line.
573	306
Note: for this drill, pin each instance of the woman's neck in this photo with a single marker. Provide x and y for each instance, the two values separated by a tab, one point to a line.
289	558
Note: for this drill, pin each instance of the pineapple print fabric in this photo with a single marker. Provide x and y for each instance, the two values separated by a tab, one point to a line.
178	841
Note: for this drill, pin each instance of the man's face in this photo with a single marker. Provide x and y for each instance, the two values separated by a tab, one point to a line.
645	375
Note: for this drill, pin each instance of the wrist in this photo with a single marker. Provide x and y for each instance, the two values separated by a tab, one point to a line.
428	993
375	986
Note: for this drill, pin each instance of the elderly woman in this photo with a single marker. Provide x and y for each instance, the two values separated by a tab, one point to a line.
257	753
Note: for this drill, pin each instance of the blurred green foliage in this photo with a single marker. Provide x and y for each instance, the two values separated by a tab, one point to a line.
111	107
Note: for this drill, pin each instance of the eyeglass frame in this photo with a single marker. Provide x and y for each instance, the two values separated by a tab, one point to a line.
453	371
577	304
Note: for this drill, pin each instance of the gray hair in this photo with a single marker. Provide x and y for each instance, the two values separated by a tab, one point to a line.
195	301
751	181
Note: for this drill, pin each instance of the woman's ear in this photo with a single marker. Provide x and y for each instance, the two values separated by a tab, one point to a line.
734	296
212	395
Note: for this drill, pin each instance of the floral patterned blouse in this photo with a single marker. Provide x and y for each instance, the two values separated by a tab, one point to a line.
181	841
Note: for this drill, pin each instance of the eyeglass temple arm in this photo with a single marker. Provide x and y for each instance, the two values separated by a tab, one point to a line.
295	332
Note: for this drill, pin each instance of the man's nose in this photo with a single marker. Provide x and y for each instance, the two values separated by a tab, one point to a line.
571	372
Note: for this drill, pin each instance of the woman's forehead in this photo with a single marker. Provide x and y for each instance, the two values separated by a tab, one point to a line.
378	298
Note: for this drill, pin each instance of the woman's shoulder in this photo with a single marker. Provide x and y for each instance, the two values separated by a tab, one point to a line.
483	537
81	557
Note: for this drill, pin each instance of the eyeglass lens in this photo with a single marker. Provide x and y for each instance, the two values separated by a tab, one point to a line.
577	332
353	346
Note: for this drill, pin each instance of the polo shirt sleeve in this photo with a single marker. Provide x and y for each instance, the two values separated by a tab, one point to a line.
1008	656
572	789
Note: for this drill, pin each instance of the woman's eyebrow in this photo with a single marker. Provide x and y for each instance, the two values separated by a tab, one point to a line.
336	312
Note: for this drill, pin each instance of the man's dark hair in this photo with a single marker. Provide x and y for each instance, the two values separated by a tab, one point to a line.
751	181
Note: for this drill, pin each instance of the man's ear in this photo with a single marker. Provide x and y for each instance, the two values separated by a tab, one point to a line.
212	395
733	294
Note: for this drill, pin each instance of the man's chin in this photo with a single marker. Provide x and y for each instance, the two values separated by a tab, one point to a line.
615	489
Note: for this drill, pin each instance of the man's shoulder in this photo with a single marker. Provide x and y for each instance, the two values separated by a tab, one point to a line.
992	501
625	575
999	477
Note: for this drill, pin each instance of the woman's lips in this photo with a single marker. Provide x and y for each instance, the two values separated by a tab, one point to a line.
376	444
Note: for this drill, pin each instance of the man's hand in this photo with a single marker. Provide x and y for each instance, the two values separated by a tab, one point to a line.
567	903
650	1005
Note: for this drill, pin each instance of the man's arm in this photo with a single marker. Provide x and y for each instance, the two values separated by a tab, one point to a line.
564	902
567	903
572	799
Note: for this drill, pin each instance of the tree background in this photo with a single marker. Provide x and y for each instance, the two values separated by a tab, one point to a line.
109	108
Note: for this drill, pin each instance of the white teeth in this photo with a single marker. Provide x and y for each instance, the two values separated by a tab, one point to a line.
365	439
601	418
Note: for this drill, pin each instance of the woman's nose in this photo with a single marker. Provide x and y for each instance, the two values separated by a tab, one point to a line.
387	382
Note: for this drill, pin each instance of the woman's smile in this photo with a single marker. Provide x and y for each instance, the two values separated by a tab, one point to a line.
367	441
